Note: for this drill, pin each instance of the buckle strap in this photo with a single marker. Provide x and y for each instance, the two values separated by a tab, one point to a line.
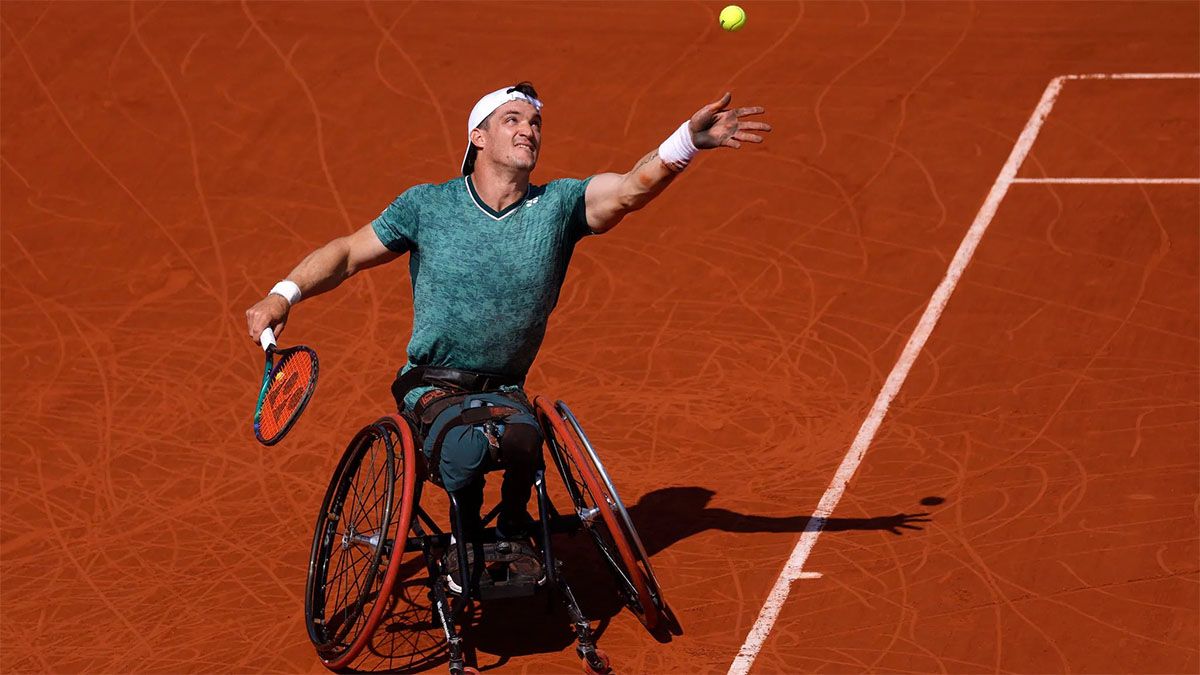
453	379
486	416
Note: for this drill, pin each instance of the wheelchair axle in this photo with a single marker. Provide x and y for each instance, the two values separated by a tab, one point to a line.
352	538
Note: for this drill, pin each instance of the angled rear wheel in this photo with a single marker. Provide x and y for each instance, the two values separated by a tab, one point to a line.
603	515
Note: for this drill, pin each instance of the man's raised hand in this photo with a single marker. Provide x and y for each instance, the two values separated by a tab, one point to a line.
714	126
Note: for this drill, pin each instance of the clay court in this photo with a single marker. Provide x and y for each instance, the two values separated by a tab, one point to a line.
936	343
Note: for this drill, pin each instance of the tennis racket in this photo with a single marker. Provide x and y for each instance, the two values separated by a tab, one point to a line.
289	379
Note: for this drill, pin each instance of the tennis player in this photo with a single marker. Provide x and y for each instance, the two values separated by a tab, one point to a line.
488	252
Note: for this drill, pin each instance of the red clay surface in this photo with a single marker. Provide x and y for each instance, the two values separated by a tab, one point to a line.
164	164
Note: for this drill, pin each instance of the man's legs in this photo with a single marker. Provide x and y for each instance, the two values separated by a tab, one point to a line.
470	501
512	443
520	451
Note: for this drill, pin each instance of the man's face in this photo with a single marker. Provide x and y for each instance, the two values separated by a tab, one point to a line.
512	136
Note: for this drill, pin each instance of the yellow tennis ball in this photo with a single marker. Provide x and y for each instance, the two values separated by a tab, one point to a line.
733	18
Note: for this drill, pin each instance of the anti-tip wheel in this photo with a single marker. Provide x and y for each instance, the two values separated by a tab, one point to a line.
596	663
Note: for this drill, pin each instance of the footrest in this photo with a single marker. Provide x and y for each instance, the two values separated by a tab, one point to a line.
511	570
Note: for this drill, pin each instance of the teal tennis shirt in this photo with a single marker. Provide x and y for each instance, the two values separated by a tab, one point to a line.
484	281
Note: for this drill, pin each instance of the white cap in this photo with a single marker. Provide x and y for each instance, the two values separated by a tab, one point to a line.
486	106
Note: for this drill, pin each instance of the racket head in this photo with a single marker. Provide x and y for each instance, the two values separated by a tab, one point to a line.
286	391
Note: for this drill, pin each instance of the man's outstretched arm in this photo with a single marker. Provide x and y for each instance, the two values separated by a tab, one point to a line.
320	271
611	196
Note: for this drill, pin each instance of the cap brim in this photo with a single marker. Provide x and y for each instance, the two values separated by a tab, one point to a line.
468	164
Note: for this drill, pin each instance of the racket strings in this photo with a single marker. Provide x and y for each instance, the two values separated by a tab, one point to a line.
288	389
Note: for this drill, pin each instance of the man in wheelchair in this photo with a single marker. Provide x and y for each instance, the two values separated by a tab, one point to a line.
488	253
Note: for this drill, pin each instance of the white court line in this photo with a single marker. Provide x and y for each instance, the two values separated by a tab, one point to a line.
1134	76
794	569
1110	181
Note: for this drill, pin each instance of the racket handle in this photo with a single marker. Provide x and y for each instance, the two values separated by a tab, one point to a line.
267	339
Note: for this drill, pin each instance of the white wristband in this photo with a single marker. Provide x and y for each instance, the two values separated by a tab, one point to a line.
288	289
677	151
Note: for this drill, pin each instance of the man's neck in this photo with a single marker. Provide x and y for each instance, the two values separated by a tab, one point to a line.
497	188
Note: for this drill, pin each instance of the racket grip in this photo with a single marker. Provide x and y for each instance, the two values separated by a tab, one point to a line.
267	338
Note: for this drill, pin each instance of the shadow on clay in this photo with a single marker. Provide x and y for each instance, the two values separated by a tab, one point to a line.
669	515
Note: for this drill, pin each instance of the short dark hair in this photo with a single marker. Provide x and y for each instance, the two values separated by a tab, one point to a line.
524	87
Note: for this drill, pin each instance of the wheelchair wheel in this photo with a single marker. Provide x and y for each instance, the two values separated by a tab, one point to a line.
359	540
602	513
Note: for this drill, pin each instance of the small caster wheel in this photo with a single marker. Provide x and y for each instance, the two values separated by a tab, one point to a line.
596	663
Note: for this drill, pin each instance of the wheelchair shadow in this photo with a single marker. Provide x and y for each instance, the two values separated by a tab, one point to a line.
409	639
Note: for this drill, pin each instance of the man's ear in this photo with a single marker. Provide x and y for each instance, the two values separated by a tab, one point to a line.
478	138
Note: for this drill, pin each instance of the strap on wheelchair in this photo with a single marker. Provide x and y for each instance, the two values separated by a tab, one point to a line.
450	379
486	416
451	386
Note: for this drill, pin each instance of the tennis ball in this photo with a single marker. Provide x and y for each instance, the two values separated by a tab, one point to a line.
733	18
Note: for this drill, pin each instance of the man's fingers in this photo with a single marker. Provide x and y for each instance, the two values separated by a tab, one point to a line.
753	110
266	313
749	138
731	143
754	126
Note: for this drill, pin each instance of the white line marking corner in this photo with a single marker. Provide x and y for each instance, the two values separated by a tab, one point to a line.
1108	181
794	569
1133	76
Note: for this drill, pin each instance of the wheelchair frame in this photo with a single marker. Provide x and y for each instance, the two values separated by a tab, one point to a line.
340	632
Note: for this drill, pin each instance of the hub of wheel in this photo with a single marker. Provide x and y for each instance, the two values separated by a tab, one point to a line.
588	516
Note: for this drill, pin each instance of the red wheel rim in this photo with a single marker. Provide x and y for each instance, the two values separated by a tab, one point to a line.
400	526
649	614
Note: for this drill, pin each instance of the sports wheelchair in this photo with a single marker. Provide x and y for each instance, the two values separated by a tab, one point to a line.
371	517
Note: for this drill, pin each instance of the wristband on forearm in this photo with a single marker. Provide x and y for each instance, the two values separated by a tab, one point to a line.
288	290
677	151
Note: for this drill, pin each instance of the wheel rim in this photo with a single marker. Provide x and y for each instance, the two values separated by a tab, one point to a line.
639	550
594	503
402	511
346	545
354	557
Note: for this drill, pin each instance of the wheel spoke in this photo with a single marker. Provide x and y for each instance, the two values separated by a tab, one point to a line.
358	587
347	555
367	512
